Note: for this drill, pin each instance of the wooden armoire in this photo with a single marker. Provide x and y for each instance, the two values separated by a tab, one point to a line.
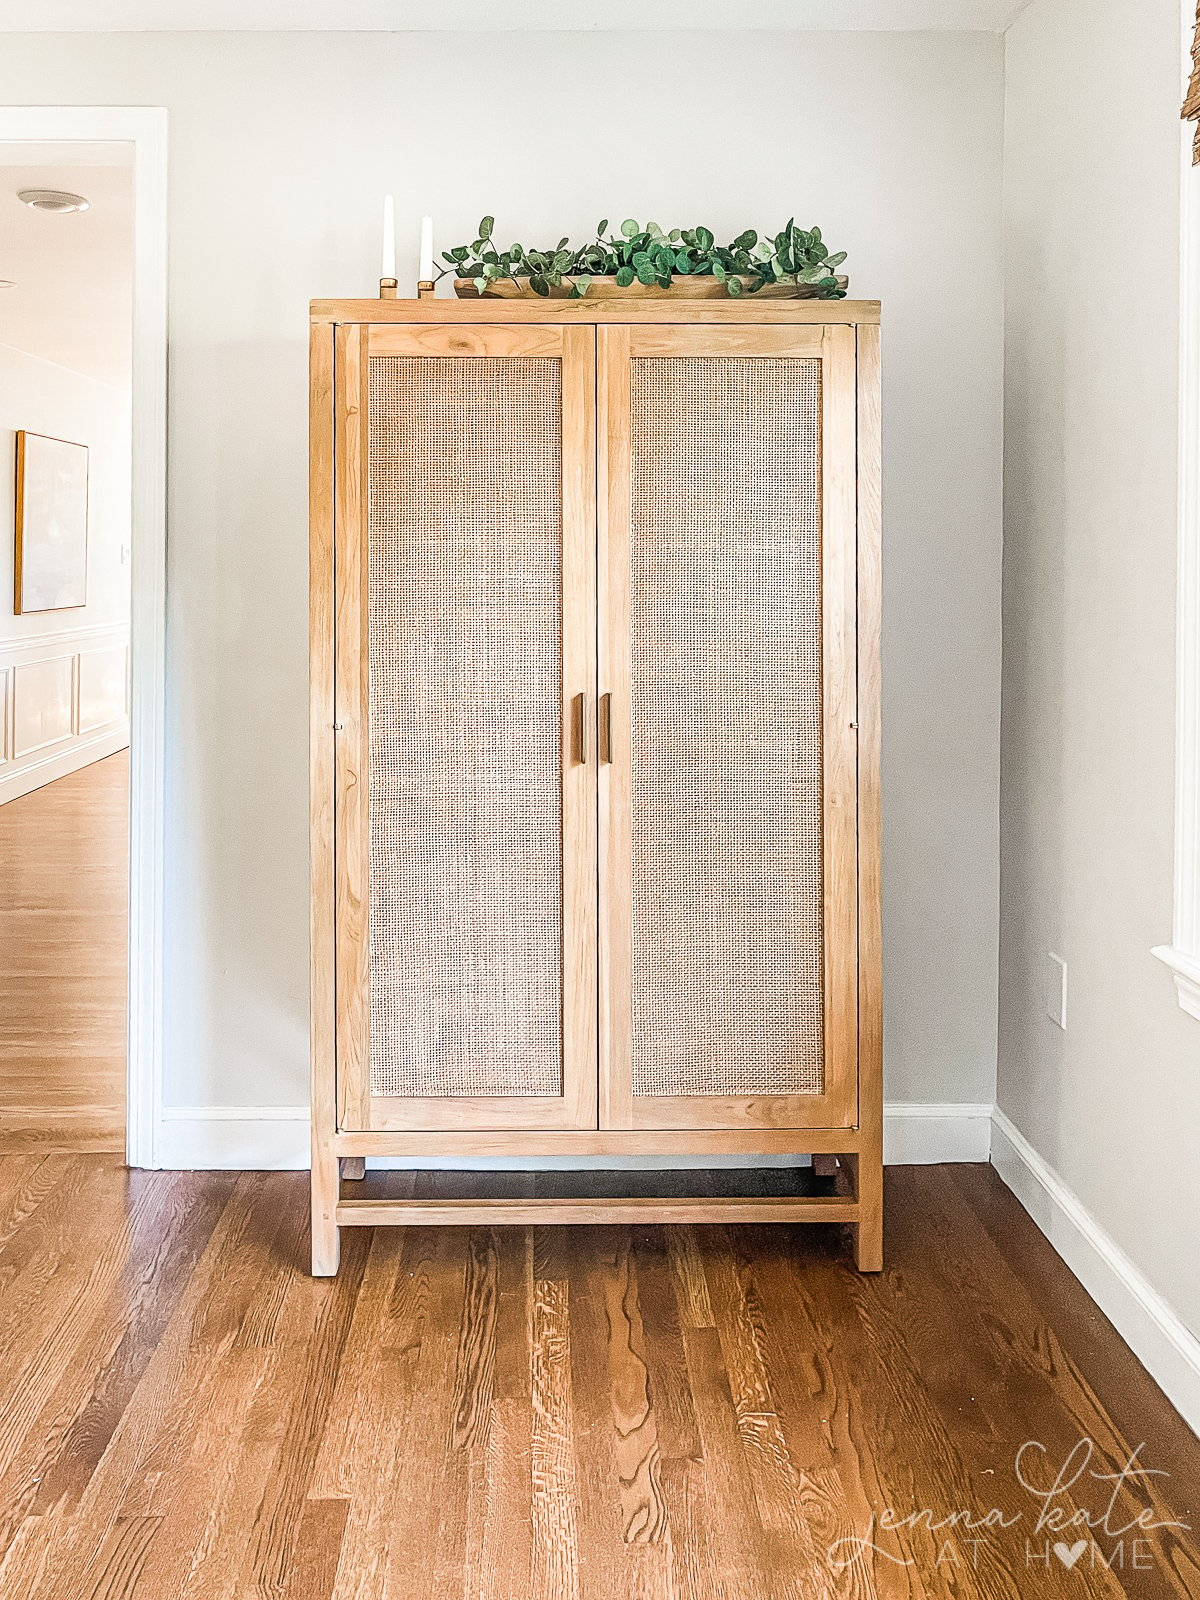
595	611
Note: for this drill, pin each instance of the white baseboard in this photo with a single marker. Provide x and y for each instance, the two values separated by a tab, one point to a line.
79	752
233	1138
1167	1348
259	1138
918	1133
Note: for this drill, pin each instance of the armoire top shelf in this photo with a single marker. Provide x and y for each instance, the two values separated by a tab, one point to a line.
588	312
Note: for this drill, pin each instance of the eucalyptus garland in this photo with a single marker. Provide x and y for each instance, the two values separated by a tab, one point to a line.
646	253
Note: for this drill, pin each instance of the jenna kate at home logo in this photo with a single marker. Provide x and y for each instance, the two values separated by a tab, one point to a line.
1078	1516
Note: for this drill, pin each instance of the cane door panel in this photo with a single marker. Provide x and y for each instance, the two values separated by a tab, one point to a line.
465	677
728	744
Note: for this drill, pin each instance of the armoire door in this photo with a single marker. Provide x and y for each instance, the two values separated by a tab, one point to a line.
727	808
465	814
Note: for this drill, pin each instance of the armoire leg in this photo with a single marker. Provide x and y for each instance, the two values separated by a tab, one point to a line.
354	1167
326	1236
868	1234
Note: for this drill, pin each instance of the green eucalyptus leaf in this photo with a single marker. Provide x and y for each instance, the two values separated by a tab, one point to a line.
649	254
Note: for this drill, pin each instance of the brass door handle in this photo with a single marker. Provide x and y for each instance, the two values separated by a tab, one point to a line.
579	729
605	733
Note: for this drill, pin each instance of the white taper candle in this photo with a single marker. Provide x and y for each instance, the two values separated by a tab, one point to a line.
426	272
389	238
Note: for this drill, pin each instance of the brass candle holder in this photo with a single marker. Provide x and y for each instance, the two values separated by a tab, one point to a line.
387	288
425	289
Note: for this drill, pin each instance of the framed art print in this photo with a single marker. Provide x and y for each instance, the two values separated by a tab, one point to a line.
52	516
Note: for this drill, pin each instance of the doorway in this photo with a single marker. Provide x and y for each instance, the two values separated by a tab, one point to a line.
82	475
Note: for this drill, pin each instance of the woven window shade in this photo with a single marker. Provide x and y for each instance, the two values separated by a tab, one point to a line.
464	585
1191	104
726	726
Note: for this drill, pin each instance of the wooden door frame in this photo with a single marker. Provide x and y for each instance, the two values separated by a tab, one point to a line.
357	1109
834	346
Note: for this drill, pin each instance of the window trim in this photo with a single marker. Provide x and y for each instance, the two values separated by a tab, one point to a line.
1182	955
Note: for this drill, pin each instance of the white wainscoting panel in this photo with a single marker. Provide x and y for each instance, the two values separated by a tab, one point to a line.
103	687
65	703
43	704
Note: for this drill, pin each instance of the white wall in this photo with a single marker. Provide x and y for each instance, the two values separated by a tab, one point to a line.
281	147
61	672
1092	245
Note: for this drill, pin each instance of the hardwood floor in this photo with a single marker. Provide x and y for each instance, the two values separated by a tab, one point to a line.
586	1413
64	883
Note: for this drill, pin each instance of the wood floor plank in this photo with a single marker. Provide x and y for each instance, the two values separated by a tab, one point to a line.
661	1332
729	1508
309	1340
609	1383
554	1491
368	1447
498	1549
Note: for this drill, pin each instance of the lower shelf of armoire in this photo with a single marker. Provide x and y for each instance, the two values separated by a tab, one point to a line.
825	1192
535	1213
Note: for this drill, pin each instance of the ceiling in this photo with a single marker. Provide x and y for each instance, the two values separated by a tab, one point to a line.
111	16
73	300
